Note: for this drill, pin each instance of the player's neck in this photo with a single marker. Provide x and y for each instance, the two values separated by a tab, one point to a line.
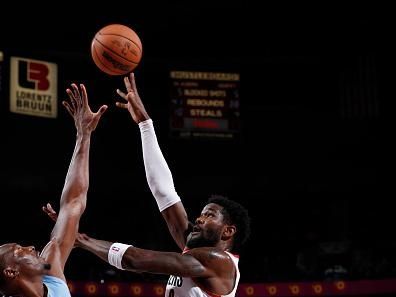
224	245
30	288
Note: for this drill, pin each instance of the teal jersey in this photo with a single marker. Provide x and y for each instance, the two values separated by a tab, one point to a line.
56	287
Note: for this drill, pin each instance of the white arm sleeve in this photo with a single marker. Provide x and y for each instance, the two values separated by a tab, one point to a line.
158	175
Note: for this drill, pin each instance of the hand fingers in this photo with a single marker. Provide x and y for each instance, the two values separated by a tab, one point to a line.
79	236
68	108
102	109
84	95
133	83
122	105
72	99
76	91
49	207
76	95
48	211
122	94
127	84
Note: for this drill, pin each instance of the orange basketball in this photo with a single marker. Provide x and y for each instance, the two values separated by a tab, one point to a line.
116	49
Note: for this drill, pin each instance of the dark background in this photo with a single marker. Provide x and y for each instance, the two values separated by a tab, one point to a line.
306	163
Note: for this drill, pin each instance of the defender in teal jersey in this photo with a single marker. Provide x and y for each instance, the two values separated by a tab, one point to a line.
23	270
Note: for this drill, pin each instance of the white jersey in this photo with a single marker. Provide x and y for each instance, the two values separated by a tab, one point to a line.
185	287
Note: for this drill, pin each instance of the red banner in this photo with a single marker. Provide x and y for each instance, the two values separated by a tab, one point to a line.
334	288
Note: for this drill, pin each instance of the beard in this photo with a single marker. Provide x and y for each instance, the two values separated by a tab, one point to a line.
207	238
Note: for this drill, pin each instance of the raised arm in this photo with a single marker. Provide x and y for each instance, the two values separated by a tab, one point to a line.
74	195
158	174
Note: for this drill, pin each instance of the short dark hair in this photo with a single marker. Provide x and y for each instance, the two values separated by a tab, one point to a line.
235	214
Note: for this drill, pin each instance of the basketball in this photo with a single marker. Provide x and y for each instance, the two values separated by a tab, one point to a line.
116	49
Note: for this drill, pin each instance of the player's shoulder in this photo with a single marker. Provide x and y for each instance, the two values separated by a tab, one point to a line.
212	255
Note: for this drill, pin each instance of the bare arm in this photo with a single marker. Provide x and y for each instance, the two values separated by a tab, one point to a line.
74	195
158	174
177	222
200	263
211	268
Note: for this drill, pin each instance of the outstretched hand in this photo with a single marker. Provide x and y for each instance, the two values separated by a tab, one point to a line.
135	105
50	212
84	119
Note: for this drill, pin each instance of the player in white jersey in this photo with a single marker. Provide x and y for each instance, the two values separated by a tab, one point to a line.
23	270
206	267
187	286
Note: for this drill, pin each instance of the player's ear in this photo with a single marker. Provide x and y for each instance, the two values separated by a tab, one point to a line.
10	273
228	231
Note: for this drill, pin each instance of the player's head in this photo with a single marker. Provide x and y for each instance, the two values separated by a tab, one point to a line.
18	264
222	222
